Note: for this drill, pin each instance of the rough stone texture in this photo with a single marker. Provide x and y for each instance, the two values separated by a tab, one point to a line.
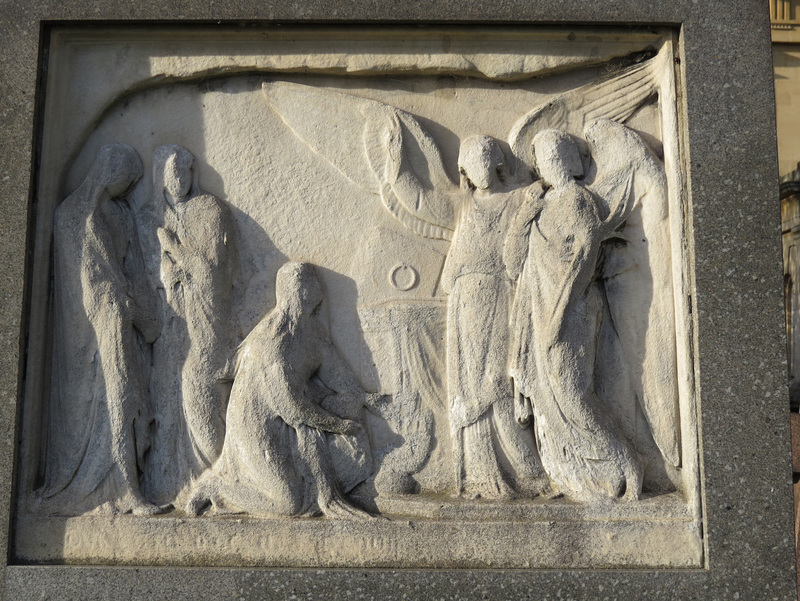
733	205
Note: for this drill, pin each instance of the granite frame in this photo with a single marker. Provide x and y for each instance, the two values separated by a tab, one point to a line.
725	82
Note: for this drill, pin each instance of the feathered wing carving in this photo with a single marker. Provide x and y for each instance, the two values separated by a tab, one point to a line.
400	162
637	276
616	98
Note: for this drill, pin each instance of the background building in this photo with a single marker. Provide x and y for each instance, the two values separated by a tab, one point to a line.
785	21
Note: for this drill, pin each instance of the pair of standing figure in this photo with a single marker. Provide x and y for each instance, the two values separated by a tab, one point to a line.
104	447
524	310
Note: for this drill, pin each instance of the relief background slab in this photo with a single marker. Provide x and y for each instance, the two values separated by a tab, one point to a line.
734	505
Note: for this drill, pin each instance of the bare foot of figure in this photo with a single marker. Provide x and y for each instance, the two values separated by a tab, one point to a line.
151	509
553	493
198	502
539	487
633	483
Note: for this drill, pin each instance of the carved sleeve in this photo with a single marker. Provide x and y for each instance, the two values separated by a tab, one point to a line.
102	278
620	203
143	297
336	372
515	248
425	202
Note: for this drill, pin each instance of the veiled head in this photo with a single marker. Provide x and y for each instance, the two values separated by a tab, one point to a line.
297	286
174	171
116	169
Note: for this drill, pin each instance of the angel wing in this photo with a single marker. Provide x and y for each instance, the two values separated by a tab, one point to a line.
399	161
616	98
637	277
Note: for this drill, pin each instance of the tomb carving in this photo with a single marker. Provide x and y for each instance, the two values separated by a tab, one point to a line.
408	294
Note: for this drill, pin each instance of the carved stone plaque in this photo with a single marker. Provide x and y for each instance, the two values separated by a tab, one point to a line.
404	298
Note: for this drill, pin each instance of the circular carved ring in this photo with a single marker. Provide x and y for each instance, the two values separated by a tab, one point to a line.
403	277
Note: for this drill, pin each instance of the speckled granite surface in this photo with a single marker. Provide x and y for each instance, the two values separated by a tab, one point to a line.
731	174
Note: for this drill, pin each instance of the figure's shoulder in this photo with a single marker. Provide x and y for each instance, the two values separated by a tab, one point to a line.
62	213
72	206
210	209
260	357
565	197
209	202
522	195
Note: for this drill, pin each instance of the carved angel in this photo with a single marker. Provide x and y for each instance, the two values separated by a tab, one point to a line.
557	312
404	167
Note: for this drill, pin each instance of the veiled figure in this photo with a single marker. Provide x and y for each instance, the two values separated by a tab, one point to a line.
295	441
194	261
104	315
556	319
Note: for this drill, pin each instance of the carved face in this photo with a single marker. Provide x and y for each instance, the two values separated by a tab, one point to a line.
178	174
481	161
558	158
311	294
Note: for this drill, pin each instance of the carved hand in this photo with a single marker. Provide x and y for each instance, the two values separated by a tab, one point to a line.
523	411
374	399
536	190
515	247
147	322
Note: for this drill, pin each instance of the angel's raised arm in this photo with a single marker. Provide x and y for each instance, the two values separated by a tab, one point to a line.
408	166
379	148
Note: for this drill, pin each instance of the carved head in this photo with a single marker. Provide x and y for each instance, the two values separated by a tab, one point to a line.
481	162
298	288
557	157
174	172
116	169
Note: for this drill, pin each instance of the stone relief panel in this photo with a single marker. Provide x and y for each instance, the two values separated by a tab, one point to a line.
381	292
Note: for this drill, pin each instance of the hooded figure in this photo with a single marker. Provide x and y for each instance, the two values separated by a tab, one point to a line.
104	315
295	441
